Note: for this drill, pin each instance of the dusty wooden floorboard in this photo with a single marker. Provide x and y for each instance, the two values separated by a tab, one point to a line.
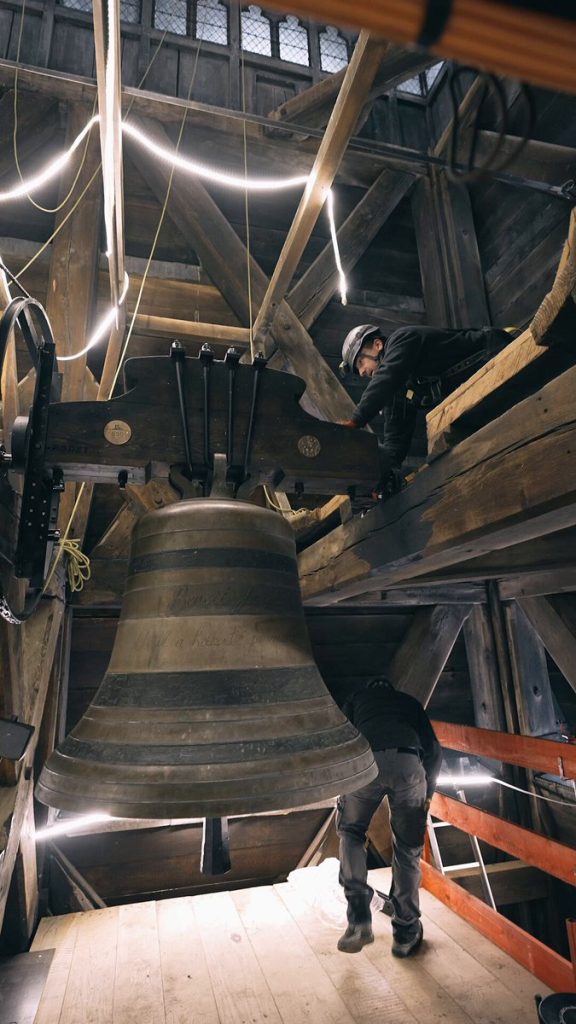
268	956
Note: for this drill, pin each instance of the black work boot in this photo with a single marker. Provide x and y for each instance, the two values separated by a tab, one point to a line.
406	941
359	931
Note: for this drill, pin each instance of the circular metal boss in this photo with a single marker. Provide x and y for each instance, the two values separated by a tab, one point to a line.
117	432
309	446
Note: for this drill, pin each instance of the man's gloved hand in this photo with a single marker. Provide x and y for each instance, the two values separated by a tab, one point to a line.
387	486
349	423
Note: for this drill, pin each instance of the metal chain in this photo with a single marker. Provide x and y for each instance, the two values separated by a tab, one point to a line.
7	614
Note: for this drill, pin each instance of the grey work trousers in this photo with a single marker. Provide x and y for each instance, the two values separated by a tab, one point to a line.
401	777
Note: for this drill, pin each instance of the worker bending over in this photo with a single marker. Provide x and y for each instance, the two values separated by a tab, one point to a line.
408	756
412	368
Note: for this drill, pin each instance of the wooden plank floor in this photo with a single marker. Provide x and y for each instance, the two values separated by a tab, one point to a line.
266	956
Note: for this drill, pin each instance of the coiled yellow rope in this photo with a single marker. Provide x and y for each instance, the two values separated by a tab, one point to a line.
78	567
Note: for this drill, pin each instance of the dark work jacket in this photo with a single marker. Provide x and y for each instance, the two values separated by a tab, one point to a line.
410	355
391	719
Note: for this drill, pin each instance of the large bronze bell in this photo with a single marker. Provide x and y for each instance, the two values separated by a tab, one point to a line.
212	704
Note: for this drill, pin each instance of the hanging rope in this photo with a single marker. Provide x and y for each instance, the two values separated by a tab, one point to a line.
78	568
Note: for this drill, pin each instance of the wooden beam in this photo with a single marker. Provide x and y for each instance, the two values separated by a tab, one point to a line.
312	292
417	597
511	881
313	106
554	970
168	327
483	668
540	161
9	377
536	707
195	212
555	629
72	277
110	110
448	513
452	276
420	659
517	358
367	56
541	755
217	127
38	637
547	854
539	583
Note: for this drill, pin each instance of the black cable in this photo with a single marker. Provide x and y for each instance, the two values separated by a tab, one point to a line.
491	86
13	279
436	17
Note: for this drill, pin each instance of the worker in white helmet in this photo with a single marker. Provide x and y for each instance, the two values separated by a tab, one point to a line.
412	368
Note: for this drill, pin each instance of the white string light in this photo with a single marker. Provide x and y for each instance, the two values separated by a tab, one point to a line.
339	267
183	163
105	325
236	181
64	828
50	171
108	146
465	780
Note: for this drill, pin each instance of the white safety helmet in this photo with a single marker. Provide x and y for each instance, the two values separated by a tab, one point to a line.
353	343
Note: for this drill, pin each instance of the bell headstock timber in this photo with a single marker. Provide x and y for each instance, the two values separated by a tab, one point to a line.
175	415
182	411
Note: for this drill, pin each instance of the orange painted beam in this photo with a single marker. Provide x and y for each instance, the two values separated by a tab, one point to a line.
554	970
547	854
524	751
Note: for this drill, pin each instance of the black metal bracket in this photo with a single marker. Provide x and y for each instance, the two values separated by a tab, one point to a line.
42	484
237	472
215	859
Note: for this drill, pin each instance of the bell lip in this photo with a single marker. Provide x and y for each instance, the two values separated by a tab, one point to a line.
218	808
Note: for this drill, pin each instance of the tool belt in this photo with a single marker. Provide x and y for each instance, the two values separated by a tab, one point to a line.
428	391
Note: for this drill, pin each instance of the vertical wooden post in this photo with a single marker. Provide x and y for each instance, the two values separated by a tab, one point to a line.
34	644
235	63
537	715
73	268
483	668
46	34
9	379
146	14
452	277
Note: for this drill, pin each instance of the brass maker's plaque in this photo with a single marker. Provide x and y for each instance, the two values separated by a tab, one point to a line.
117	432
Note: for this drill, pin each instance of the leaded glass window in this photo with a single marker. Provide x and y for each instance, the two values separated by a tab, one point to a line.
293	39
412	86
256	31
333	50
129	9
77	5
212	22
171	16
432	74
